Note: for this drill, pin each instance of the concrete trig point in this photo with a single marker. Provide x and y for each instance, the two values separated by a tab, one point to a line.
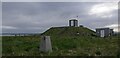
73	22
45	44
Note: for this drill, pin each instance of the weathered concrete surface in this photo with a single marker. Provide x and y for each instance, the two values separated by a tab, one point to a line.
45	44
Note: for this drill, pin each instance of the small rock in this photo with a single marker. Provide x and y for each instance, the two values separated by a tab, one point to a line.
70	51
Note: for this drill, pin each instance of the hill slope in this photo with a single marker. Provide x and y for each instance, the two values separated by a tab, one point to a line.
69	31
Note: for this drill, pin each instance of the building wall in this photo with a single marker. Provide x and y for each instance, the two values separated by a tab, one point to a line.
73	23
107	32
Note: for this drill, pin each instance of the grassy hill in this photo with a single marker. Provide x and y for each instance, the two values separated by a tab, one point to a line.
69	31
66	41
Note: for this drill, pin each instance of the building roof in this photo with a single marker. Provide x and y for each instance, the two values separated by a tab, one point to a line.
102	28
73	19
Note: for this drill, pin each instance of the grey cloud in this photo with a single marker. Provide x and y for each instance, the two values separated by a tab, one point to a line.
39	16
60	0
0	17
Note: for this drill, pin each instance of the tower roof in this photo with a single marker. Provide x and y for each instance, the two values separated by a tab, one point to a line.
73	19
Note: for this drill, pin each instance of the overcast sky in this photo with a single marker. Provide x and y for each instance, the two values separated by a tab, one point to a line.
60	0
32	17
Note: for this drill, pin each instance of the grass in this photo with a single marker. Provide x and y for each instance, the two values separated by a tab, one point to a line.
65	42
29	46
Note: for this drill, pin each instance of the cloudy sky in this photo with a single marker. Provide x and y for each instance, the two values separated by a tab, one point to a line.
60	0
32	17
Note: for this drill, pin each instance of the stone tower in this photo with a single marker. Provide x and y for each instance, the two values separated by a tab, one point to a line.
73	22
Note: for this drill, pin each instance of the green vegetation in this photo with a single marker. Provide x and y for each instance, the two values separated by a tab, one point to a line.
69	31
66	41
